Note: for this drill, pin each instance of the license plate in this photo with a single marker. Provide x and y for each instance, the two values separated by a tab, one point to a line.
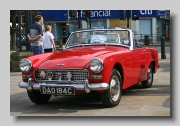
57	90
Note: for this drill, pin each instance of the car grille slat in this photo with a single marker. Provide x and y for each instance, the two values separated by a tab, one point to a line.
77	75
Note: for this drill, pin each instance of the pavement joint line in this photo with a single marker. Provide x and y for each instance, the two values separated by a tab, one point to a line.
143	108
142	97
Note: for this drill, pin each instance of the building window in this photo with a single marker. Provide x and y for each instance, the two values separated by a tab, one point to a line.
22	19
16	19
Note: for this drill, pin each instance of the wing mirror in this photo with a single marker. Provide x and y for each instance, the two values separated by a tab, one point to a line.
142	44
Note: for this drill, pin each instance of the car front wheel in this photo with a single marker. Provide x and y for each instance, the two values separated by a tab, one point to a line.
38	98
112	96
148	83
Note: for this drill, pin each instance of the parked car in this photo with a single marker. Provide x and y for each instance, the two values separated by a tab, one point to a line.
106	61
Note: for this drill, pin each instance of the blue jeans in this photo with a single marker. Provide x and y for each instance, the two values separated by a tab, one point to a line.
37	49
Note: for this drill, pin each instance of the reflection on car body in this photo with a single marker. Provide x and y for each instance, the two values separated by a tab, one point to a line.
106	61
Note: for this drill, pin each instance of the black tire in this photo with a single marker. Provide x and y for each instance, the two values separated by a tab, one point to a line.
150	75
38	98
112	96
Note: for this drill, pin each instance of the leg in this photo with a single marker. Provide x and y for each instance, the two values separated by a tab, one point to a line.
41	49
35	49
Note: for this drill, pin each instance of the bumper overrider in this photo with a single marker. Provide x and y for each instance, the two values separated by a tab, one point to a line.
30	85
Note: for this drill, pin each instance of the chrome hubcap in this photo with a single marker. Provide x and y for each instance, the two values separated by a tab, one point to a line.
149	75
114	88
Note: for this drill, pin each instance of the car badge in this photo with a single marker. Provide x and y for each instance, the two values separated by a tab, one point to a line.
42	74
59	76
59	64
49	75
69	76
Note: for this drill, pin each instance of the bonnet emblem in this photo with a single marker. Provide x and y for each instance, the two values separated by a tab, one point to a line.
60	64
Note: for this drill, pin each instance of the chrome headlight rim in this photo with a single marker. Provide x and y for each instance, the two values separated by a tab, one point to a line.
101	62
29	62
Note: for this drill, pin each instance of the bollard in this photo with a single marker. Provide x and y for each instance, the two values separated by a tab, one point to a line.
163	56
60	44
28	23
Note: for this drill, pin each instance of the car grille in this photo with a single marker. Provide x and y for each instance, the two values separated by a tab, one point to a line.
77	75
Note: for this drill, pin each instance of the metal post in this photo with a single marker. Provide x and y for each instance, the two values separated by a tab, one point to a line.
163	56
151	39
67	25
27	26
79	19
30	18
127	22
90	18
36	12
19	22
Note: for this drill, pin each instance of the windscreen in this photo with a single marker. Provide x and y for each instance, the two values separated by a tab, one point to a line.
109	37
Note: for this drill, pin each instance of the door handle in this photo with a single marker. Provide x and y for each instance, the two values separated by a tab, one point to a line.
144	50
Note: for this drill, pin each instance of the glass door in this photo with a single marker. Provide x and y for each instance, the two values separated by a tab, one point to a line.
64	34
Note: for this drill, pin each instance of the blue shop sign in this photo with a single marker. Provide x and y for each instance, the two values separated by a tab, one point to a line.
56	15
162	12
100	14
147	13
61	15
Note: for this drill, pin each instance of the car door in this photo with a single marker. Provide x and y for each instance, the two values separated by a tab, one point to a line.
139	60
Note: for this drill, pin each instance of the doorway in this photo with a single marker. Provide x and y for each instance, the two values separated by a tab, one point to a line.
64	31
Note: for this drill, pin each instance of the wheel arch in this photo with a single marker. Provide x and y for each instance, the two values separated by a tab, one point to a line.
119	68
154	64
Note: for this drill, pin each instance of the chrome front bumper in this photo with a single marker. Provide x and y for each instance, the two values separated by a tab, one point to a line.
78	86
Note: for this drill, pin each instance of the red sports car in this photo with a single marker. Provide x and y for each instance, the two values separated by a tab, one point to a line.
101	60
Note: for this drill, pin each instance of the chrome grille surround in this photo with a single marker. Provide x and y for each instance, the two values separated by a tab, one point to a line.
78	75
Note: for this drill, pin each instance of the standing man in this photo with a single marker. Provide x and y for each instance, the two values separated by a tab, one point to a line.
35	35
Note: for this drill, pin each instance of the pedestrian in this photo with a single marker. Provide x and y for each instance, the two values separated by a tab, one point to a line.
35	35
49	45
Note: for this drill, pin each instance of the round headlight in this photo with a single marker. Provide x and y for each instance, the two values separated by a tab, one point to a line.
96	65
25	65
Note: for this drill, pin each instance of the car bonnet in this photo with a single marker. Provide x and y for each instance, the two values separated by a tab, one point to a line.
75	57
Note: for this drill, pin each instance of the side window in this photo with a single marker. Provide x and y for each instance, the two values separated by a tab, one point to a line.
137	44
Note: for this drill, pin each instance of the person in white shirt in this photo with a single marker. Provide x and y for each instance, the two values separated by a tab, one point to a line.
49	45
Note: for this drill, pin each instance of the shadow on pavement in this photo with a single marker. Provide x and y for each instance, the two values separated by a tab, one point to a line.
138	90
73	104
